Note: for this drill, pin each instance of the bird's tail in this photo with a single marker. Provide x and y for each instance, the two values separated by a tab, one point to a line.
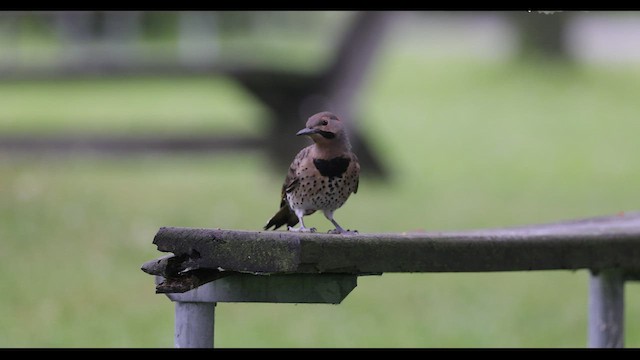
284	216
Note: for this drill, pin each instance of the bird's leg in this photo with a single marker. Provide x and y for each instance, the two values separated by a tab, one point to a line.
338	229
301	228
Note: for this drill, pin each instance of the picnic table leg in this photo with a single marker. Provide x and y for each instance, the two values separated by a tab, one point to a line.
194	323
606	309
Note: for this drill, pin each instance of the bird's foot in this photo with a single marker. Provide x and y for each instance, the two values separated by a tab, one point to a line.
343	232
302	229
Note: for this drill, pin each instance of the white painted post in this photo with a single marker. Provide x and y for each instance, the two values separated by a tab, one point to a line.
606	309
194	324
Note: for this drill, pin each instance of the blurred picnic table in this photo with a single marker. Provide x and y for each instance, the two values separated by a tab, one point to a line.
289	95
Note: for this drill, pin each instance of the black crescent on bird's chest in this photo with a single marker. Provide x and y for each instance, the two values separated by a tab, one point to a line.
333	167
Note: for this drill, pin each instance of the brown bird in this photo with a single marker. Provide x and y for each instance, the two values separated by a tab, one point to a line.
321	176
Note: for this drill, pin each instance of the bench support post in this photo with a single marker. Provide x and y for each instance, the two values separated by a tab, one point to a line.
195	309
606	309
194	323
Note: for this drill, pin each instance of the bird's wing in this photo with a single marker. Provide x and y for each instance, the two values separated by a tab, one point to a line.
288	186
291	181
356	164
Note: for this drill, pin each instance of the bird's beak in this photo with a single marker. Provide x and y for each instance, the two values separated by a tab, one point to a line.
306	131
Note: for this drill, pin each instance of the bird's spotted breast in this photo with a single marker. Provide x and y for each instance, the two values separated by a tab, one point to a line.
333	167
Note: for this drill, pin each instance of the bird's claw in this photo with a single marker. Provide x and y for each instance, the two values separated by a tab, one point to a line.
302	229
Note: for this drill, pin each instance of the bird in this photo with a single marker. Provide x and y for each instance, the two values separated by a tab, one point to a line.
321	177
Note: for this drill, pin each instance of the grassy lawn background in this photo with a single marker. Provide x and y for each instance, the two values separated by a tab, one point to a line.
472	144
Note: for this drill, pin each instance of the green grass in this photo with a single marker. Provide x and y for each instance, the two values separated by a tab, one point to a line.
471	145
138	105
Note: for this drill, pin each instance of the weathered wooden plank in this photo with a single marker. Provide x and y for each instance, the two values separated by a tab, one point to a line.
177	276
597	243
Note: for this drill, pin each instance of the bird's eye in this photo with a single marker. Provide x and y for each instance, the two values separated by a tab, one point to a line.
324	122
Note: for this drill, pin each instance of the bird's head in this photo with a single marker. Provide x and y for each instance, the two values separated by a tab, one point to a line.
324	128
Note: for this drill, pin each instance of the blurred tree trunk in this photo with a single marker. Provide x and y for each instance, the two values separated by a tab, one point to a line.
542	34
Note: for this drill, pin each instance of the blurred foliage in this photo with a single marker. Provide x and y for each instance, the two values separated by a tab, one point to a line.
543	34
159	24
241	36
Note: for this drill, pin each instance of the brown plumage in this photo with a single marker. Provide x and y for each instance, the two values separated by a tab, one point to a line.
321	176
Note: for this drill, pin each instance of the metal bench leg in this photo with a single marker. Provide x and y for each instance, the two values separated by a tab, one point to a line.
194	324
606	309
